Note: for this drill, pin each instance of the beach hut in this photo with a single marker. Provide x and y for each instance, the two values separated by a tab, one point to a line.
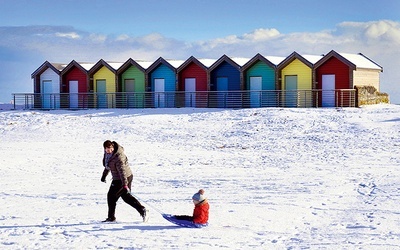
225	75
296	79
260	78
46	81
75	84
336	72
132	83
102	81
193	80
162	77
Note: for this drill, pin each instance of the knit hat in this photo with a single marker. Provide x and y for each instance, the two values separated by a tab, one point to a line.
199	196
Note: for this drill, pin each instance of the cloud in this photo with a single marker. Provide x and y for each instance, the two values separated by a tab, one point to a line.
379	40
72	35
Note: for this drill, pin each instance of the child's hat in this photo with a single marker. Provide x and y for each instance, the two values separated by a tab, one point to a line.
199	196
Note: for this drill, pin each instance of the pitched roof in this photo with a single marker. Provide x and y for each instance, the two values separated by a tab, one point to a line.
69	66
271	61
56	67
130	62
361	61
222	59
102	63
294	56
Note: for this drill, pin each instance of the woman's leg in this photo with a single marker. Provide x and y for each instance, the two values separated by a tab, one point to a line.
129	199
112	198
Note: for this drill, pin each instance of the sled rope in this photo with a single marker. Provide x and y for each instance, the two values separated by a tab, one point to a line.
156	209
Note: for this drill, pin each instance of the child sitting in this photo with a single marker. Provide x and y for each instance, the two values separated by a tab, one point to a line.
200	212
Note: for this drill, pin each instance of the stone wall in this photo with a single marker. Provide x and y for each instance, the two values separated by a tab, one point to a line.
369	95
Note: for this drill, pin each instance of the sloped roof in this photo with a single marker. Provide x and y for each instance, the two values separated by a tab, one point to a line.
100	64
73	63
159	61
222	59
361	61
257	58
294	56
190	60
56	67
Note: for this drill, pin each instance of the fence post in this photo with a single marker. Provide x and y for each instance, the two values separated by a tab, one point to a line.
356	97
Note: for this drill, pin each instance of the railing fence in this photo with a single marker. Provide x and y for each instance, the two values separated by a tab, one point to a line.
198	99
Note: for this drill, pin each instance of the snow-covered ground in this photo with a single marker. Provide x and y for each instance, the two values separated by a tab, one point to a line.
275	178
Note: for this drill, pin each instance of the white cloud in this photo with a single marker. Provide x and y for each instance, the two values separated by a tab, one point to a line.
122	37
72	35
261	35
383	31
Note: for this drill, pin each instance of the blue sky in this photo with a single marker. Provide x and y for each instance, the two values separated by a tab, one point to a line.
32	32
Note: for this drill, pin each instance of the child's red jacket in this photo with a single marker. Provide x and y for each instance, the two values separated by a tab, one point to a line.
200	212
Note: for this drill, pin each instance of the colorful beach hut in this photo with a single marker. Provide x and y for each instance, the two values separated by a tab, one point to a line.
132	83
46	81
225	75
336	72
102	81
193	80
162	77
260	78
75	85
296	78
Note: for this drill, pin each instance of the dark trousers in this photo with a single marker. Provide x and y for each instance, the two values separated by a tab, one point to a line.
184	217
117	190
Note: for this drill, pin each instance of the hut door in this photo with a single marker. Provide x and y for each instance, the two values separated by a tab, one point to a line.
73	94
101	93
291	91
255	88
190	92
328	90
129	88
159	95
222	87
47	90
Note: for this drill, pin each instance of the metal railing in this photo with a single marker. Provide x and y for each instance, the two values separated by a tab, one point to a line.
199	99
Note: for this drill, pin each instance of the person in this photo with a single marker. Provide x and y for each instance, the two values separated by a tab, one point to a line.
116	162
200	212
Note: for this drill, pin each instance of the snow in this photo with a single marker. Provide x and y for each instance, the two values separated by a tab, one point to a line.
175	63
87	66
275	59
240	60
207	62
115	65
312	58
361	61
275	178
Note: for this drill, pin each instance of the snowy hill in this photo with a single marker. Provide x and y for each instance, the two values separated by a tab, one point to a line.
275	178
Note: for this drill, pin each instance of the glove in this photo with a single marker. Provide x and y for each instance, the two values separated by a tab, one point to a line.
104	175
127	189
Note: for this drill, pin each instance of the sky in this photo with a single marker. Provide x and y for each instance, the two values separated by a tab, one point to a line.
274	178
32	32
